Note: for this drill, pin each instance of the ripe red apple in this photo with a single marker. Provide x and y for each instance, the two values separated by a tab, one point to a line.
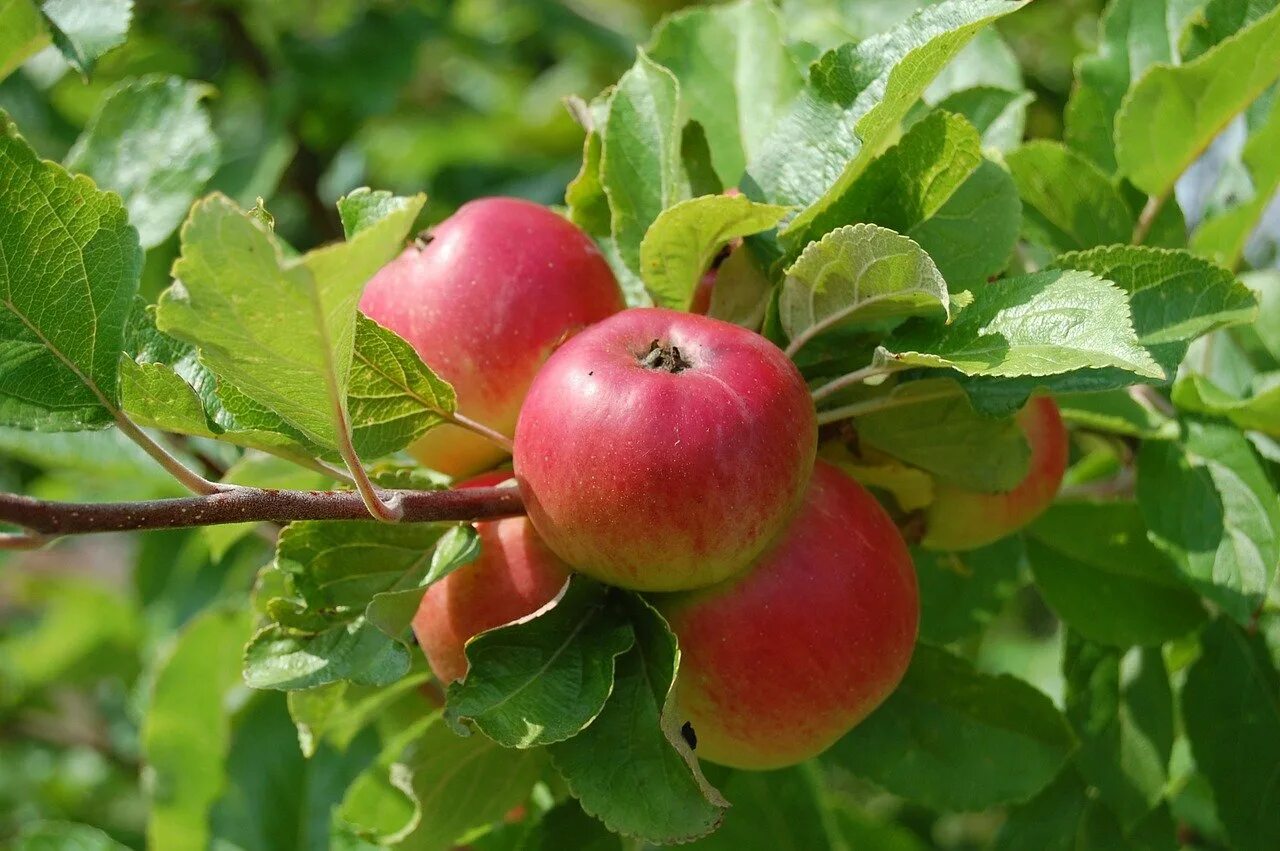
514	576
780	662
960	519
662	451
701	302
498	285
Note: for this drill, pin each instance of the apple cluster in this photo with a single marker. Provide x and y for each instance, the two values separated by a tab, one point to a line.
670	454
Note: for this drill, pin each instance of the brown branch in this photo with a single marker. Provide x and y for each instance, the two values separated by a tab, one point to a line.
51	519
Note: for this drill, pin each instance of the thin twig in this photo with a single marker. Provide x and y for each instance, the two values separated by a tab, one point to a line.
852	378
189	478
45	519
483	430
1148	397
882	403
1147	218
21	541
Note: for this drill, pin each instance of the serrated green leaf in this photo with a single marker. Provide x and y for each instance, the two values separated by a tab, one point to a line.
650	786
83	30
1259	412
187	729
736	76
393	397
1172	114
1000	115
987	202
853	103
392	610
1045	323
22	36
771	810
1209	504
1067	202
285	659
1112	585
955	739
640	165
1222	238
584	196
152	142
335	714
67	282
960	593
684	239
944	435
1231	710
1217	20
862	273
1134	34
281	330
1116	412
544	679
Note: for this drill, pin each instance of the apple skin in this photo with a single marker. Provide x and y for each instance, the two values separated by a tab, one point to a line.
780	662
499	285
656	480
514	576
701	302
960	519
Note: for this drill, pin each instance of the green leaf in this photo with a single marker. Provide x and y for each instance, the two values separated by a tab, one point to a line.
955	739
1126	735
563	826
771	810
934	187
736	76
65	836
1134	34
1116	412
961	593
1222	238
1172	114
22	36
151	141
187	729
1210	505
286	659
862	273
1217	20
1040	324
1112	585
999	114
640	164
392	396
1259	412
1067	201
855	99
945	436
70	270
742	291
335	714
83	30
584	196
544	679
1231	710
650	785
392	610
281	329
685	238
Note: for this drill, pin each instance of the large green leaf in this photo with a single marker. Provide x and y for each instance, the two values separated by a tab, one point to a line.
1112	585
960	593
862	273
1211	506
1231	708
955	739
736	76
854	101
1040	324
771	810
640	165
151	141
544	679
1067	202
22	35
650	785
83	30
280	329
1259	412
188	729
1174	112
1000	114
71	264
281	658
934	187
684	239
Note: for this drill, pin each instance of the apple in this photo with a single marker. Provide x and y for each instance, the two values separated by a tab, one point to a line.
780	662
514	576
960	519
661	451
494	289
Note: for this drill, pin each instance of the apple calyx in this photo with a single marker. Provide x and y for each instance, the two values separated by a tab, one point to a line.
664	357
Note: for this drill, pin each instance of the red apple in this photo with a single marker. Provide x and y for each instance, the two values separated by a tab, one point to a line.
662	451
495	289
960	519
780	662
514	576
701	302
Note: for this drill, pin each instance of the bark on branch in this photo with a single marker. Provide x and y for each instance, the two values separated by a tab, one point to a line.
240	505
